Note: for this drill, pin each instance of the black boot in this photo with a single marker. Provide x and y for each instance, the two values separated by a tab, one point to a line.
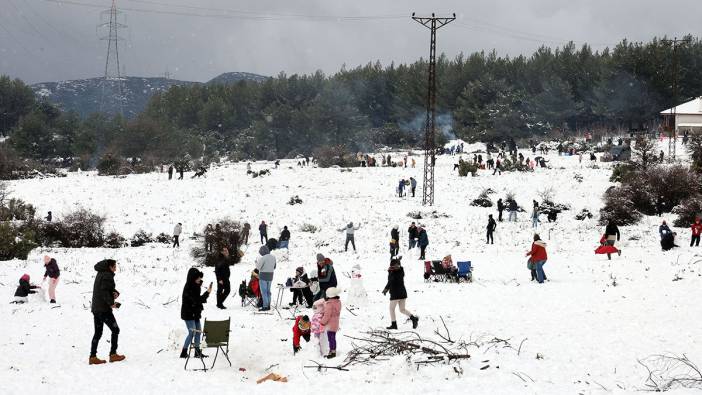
332	354
415	321
184	353
393	325
199	354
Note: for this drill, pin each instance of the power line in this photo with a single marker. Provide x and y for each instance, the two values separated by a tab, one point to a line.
257	17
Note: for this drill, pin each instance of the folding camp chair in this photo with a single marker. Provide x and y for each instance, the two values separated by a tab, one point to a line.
248	298
465	271
439	271
216	335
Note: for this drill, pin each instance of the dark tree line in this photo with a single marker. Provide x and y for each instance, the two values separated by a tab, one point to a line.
482	97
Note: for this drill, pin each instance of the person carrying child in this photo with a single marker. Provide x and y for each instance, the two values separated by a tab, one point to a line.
301	329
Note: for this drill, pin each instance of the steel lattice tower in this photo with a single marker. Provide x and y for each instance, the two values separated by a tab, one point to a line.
112	99
433	23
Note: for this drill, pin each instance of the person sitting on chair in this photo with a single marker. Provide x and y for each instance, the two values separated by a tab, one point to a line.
449	267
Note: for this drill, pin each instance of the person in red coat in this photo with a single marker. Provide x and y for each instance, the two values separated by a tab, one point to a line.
696	231
301	329
538	257
606	248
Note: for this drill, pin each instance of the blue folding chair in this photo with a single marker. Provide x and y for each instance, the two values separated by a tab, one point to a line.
465	271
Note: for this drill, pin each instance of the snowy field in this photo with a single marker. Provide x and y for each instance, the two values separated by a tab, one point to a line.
589	324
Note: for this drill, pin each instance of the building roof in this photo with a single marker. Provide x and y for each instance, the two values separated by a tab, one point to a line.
693	107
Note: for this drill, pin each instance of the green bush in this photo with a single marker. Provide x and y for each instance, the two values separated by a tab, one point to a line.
15	243
619	208
337	155
17	210
687	212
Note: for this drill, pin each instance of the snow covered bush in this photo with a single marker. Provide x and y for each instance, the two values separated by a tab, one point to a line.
16	209
294	200
309	228
80	228
15	242
483	199
211	242
688	211
115	240
618	207
583	214
465	168
140	238
335	155
109	166
622	171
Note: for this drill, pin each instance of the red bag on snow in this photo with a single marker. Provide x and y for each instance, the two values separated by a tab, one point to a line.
606	249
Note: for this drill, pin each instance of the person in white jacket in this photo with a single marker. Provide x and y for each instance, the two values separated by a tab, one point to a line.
350	230
265	264
177	230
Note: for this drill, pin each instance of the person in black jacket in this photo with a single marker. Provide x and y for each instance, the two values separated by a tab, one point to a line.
491	226
284	238
301	288
500	209
191	310
104	295
24	289
222	273
612	235
394	241
413	232
398	293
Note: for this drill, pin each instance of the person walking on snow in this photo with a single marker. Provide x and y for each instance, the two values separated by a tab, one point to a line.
413	183
223	273
177	230
512	210
398	293
170	172
538	258
394	241
612	235
104	295
265	264
401	188
696	231
263	231
423	242
284	238
52	272
535	217
245	233
491	226
413	234
330	318
350	230
500	209
191	310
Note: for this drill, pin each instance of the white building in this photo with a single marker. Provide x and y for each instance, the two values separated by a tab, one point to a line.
688	116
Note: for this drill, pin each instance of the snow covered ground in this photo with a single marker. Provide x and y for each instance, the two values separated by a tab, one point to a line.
589	324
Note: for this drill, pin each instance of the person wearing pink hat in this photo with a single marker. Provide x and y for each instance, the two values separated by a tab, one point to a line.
53	273
24	289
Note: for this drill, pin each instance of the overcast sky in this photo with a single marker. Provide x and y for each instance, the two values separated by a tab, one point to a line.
49	40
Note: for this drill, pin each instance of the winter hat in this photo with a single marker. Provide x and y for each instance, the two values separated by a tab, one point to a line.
320	257
304	323
396	226
319	304
264	250
25	277
300	270
333	292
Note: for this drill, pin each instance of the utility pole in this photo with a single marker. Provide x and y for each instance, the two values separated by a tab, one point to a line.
112	91
674	43
433	23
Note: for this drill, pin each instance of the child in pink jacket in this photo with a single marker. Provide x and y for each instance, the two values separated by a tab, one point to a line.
317	327
330	318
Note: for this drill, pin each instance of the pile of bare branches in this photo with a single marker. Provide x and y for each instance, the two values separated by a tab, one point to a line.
666	372
380	345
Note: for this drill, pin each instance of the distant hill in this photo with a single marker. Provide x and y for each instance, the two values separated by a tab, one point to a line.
84	96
